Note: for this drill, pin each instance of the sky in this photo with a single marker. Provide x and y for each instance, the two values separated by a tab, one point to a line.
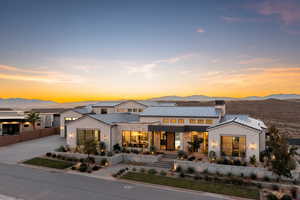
76	50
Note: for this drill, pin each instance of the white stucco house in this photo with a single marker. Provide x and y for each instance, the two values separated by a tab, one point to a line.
167	127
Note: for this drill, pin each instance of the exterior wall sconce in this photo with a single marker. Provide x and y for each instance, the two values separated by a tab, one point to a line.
214	144
72	135
252	146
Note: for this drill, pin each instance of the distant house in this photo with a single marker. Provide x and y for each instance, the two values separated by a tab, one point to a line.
14	122
50	117
167	127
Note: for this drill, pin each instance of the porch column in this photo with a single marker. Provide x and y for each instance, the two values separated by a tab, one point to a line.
150	136
181	141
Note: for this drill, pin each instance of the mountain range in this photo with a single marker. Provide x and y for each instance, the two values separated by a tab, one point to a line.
209	98
36	103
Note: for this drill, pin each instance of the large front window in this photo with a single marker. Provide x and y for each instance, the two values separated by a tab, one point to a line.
135	139
87	134
233	146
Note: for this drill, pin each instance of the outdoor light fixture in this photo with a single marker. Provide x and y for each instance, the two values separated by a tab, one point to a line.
214	144
252	146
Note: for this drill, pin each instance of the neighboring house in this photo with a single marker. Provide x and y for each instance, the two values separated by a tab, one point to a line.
168	127
14	122
71	115
131	106
50	117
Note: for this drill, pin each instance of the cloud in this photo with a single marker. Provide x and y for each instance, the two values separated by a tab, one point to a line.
148	69
257	61
229	19
288	10
200	30
15	73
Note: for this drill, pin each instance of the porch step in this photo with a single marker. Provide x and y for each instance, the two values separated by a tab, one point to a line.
166	164
170	156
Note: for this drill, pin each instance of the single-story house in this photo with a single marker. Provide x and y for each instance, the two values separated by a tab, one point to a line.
169	128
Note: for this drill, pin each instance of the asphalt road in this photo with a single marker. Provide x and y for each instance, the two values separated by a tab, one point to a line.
36	184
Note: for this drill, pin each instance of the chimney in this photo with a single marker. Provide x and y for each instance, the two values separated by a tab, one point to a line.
221	107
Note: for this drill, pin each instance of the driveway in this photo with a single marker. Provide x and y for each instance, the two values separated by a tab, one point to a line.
36	184
15	153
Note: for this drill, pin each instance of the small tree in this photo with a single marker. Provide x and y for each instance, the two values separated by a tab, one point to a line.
33	117
195	145
282	155
90	147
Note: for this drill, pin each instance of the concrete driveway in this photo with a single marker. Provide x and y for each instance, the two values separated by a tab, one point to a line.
15	153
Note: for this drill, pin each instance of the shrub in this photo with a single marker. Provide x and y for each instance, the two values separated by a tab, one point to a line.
61	149
117	147
192	158
286	197
259	185
162	173
229	174
212	155
152	149
218	173
82	160
242	175
182	175
237	162
253	160
152	171
205	171
253	176
48	154
178	169
102	146
53	155
271	197
134	169
181	154
266	178
73	168
197	176
294	191
103	162
90	160
83	167
207	178
275	187
142	170
95	168
109	154
135	151
190	170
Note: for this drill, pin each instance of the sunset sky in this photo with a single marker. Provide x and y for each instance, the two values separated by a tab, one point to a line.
72	50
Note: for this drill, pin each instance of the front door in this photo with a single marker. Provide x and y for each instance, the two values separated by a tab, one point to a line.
170	141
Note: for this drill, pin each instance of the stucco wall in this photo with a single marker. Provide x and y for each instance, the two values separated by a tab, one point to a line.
129	104
233	129
88	123
63	115
225	169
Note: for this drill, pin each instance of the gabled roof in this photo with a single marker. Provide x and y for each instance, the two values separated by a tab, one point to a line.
48	110
143	102
113	118
244	120
181	111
